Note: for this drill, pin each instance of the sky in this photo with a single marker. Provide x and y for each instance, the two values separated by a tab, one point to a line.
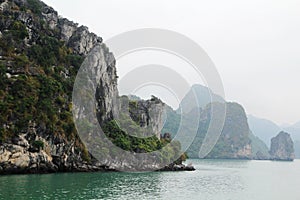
254	44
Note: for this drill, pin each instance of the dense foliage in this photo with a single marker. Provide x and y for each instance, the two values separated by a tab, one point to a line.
37	72
130	142
42	96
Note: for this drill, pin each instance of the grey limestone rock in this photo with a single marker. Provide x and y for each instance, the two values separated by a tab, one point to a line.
282	147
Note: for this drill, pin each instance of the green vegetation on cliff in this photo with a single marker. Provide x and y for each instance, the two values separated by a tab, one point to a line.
33	82
130	143
38	68
144	145
234	141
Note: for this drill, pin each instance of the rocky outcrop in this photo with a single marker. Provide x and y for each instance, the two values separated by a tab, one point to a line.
175	167
236	128
233	143
46	51
53	155
282	147
83	41
15	158
35	149
80	39
99	80
38	152
148	113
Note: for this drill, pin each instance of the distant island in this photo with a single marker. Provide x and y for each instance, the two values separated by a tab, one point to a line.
237	140
265	129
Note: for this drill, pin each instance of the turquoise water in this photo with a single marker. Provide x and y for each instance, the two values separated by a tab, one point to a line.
213	180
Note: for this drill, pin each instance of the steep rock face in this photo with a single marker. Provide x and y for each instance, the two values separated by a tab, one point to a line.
282	147
83	41
78	38
38	152
40	55
148	114
37	146
233	143
57	155
234	140
100	81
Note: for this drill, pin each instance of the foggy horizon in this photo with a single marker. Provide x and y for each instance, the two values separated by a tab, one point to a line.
254	45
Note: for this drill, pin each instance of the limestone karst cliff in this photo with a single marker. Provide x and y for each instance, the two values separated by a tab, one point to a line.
282	147
40	55
234	141
148	113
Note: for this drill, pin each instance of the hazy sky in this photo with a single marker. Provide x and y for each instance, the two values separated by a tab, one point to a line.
255	44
